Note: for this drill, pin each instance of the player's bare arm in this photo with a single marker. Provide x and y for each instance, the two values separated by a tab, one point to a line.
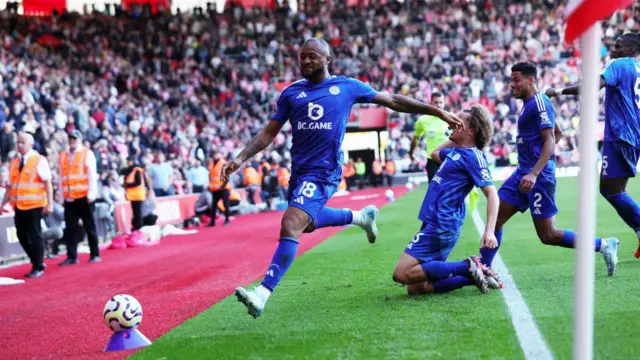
435	155
257	144
493	203
571	90
558	133
529	180
405	104
412	148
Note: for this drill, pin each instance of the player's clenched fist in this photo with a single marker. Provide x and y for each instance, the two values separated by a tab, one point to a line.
229	169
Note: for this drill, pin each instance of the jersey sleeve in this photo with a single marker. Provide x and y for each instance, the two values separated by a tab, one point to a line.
420	127
479	170
544	112
611	73
444	152
362	93
283	109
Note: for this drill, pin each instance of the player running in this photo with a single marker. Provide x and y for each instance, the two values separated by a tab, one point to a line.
423	264
318	108
621	149
533	185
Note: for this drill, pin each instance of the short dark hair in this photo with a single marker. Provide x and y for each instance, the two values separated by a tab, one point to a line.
436	94
526	68
634	40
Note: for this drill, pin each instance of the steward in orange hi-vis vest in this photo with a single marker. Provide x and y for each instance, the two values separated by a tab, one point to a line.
73	174
30	193
219	188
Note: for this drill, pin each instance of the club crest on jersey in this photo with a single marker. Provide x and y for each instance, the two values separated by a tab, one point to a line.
544	118
455	157
334	90
485	175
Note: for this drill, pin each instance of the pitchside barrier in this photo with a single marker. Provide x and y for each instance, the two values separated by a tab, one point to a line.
175	209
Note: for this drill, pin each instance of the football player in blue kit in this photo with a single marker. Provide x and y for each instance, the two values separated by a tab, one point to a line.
463	165
318	108
621	148
533	184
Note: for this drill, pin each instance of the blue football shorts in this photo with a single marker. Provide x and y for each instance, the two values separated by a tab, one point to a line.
310	193
432	244
619	160
541	200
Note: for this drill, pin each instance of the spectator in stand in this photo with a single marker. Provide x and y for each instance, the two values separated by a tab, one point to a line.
198	176
161	174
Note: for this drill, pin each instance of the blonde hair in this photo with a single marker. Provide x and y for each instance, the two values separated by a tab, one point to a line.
480	120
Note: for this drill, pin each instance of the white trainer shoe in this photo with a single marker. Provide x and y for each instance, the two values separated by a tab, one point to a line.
252	300
369	215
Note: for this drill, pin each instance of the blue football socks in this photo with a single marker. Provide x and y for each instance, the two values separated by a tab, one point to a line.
569	240
333	217
282	259
487	255
450	284
627	208
437	270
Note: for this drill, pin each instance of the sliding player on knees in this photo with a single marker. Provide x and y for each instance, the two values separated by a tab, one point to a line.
621	149
318	108
533	184
423	265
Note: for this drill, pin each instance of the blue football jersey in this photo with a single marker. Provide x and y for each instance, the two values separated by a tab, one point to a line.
622	101
461	170
319	114
537	113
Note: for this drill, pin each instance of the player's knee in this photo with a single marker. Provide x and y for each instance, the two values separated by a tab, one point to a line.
550	237
400	276
292	225
311	227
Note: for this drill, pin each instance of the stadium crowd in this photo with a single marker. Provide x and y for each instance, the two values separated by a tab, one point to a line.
171	90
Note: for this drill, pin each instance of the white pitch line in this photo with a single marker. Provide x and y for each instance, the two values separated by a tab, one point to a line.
531	340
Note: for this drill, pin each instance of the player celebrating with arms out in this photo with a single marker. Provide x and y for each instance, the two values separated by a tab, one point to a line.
423	264
621	149
533	184
318	108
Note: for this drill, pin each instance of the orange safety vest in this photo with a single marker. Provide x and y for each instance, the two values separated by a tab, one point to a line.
251	176
75	180
377	167
348	170
390	167
215	169
138	193
343	184
283	177
28	191
263	165
233	195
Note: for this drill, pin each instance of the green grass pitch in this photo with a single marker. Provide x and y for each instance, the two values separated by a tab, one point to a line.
338	300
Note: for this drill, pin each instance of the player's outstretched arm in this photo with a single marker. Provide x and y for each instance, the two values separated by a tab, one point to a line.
493	203
405	104
257	144
435	155
571	90
557	131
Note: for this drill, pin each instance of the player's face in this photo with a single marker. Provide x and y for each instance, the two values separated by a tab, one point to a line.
520	84
621	49
438	102
312	61
458	135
